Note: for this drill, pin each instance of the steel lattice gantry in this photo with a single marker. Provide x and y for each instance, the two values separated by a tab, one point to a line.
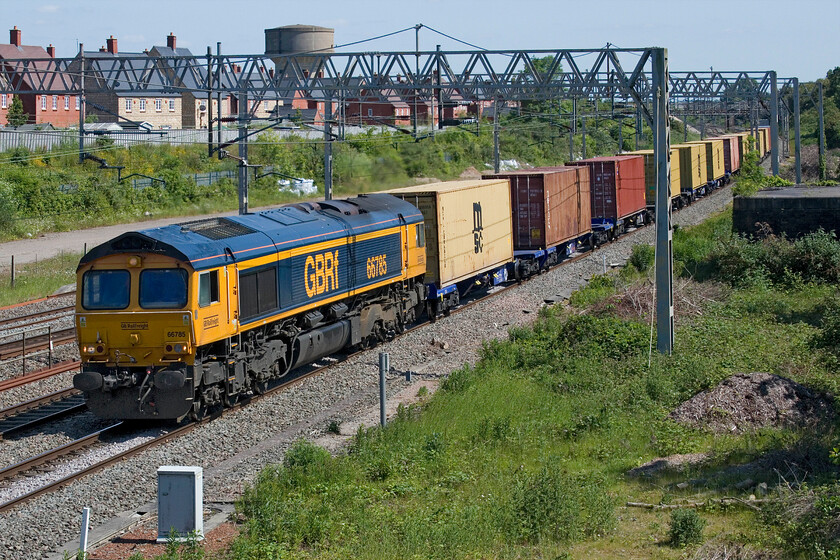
639	76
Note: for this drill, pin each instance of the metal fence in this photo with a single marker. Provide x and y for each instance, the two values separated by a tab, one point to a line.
52	139
201	179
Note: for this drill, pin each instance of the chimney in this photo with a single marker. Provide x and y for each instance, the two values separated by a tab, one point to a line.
14	36
102	49
271	72
112	45
170	41
51	51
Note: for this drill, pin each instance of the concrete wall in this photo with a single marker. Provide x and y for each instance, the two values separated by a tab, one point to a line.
793	212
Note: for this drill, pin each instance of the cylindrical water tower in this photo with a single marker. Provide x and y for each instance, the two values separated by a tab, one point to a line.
294	39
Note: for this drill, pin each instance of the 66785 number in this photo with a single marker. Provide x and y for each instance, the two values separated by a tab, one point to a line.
377	266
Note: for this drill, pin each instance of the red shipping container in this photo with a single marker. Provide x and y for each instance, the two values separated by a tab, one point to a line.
616	185
731	155
550	205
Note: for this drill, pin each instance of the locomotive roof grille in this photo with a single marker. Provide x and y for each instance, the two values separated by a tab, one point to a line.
217	228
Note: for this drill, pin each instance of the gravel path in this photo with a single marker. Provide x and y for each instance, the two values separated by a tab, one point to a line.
262	431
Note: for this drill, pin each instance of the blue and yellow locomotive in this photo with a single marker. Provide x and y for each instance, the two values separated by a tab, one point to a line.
177	320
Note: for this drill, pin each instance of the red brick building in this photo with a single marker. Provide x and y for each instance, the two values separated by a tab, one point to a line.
61	111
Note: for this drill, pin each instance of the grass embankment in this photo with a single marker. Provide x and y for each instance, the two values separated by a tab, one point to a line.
525	454
37	279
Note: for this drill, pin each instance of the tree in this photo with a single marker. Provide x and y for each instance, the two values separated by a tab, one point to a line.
542	67
16	116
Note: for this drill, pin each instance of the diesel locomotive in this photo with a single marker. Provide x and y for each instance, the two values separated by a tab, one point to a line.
177	320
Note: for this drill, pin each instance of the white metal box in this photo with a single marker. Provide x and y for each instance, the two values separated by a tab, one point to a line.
180	502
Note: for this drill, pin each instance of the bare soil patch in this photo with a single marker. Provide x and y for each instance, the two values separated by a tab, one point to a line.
470	173
748	401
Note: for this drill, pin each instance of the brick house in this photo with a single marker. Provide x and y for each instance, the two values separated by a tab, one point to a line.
161	110
61	111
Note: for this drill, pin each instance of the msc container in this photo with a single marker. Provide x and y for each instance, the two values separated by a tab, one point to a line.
650	174
616	186
731	155
715	168
550	205
467	224
692	166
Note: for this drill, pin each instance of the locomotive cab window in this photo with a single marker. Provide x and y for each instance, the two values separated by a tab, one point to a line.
163	288
208	288
105	289
420	232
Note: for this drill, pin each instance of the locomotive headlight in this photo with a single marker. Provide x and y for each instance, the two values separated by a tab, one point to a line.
177	348
91	349
135	261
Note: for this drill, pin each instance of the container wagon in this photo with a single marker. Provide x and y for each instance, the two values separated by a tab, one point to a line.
693	171
650	179
731	155
617	193
550	212
468	237
715	168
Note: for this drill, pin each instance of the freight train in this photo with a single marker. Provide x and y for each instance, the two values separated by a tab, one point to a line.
180	320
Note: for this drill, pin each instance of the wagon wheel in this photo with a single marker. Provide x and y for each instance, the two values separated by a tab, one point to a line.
399	325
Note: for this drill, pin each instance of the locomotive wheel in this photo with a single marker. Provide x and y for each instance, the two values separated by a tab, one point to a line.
199	410
231	400
260	387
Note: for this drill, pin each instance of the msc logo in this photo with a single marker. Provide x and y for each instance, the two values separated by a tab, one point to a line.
320	273
478	227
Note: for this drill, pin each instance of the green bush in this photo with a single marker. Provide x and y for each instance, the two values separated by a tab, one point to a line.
686	527
642	257
549	504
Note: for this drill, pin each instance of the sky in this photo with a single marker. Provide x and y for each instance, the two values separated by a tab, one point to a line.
797	38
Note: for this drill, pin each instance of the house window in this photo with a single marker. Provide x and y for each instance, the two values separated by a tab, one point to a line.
55	102
267	107
44	102
78	102
370	112
66	102
171	104
3	101
142	104
128	105
157	105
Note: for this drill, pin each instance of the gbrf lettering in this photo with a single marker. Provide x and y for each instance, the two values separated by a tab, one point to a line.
321	273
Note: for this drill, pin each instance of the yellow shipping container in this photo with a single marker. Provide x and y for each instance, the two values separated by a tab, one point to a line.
692	166
715	165
650	174
468	227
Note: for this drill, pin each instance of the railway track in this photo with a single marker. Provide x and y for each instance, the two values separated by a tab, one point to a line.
39	300
37	375
35	343
40	410
39	317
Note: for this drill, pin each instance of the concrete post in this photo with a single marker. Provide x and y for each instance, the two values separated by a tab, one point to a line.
797	145
662	155
774	124
384	367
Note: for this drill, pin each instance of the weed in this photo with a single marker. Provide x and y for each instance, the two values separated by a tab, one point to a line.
334	427
686	527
